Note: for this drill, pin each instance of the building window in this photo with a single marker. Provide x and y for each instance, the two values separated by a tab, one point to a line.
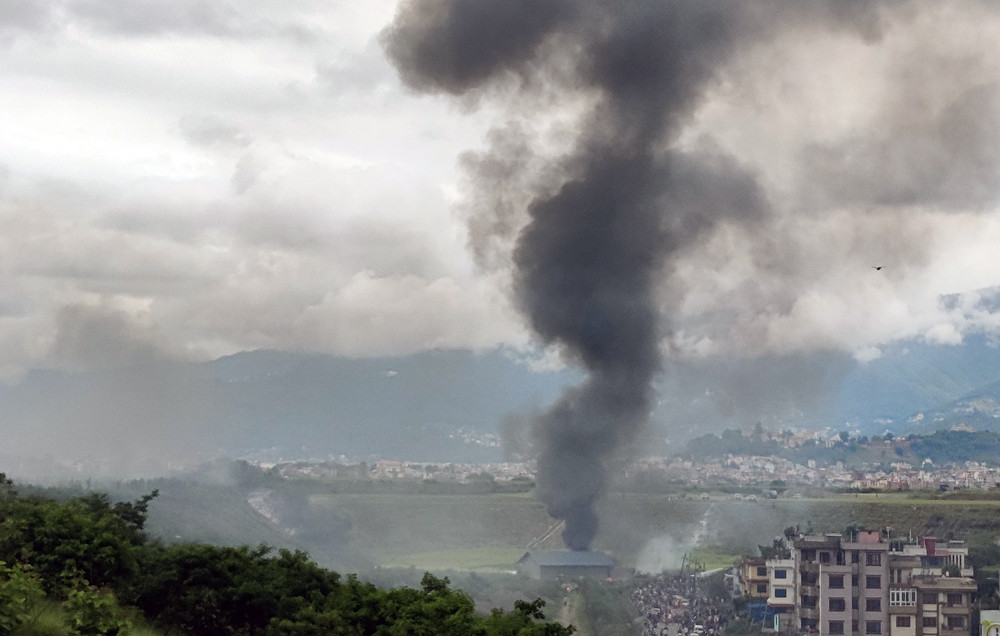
929	598
902	621
929	621
954	599
781	574
873	605
873	558
837	605
855	558
836	627
761	571
780	593
854	580
840	557
902	598
808	555
956	622
836	581
824	557
873	582
854	626
762	588
854	602
873	627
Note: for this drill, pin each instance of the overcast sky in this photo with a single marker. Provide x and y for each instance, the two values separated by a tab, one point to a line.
198	177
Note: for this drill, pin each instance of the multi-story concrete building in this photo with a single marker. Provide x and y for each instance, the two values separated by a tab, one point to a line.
781	600
930	556
860	584
842	583
753	578
921	599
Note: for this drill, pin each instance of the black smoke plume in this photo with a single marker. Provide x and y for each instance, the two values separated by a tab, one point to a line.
588	260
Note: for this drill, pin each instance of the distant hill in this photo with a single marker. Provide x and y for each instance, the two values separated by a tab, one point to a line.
414	406
978	410
449	405
920	388
433	406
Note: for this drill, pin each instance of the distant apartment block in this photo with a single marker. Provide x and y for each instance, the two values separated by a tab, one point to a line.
863	584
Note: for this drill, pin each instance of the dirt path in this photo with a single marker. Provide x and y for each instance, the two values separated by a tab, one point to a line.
571	613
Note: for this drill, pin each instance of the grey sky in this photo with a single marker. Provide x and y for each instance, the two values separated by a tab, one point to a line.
189	179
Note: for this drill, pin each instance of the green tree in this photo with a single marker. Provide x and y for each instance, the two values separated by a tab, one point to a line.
20	594
94	612
524	621
202	589
96	554
84	537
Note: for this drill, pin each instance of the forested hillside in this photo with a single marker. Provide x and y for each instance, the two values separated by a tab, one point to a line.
85	566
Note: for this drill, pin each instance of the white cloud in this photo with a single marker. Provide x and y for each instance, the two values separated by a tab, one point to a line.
206	170
255	175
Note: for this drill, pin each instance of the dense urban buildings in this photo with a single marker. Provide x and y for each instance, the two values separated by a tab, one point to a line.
864	583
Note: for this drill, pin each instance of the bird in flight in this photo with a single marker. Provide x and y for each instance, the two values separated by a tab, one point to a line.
877	268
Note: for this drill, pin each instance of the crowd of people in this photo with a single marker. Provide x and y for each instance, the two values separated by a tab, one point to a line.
671	604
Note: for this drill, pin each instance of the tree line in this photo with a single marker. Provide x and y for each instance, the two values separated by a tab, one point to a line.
88	561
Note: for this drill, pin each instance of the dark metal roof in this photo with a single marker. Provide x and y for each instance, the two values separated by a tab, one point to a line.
561	558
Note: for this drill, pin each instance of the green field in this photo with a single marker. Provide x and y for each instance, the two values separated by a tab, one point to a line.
492	531
475	529
497	558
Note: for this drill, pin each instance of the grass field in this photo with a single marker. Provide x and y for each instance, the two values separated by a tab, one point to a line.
492	531
713	559
495	558
394	529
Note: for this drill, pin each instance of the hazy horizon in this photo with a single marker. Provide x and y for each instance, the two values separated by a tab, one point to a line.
701	211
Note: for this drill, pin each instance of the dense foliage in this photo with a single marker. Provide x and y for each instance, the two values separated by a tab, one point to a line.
92	557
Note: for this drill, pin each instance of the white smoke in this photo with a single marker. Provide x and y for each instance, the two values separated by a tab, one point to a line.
668	553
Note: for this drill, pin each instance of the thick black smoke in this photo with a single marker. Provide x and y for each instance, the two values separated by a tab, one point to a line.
587	262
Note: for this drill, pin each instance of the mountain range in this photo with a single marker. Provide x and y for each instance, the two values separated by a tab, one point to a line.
459	405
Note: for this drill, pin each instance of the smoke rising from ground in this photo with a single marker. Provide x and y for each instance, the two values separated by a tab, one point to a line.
599	263
586	262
